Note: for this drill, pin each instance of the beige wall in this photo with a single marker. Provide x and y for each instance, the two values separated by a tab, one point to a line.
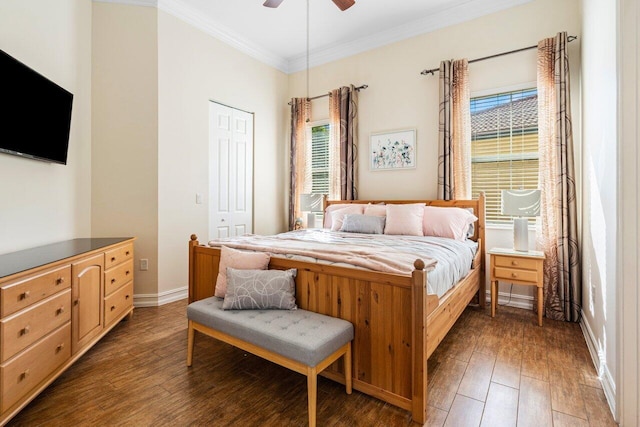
399	97
43	202
599	233
195	68
125	131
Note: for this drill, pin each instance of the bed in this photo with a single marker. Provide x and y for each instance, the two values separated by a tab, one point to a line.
398	323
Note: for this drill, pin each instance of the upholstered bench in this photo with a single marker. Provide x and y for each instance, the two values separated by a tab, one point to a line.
303	341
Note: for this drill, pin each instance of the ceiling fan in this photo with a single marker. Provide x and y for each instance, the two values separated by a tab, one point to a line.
342	4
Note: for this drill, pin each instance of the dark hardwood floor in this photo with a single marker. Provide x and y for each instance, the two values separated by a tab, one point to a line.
505	371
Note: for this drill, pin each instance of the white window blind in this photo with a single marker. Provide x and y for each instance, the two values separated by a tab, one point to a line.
319	171
504	146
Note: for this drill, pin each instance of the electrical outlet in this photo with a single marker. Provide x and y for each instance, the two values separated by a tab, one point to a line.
144	264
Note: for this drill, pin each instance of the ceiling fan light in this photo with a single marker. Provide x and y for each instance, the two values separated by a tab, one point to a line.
344	4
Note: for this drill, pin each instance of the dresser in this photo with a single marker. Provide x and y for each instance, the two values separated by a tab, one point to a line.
522	268
56	301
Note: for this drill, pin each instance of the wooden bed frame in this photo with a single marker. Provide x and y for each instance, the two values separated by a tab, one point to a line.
397	324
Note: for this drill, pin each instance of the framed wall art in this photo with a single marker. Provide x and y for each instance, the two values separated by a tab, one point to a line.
392	150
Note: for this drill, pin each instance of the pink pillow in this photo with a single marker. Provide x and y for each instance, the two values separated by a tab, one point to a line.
239	260
375	210
405	219
331	208
452	223
337	216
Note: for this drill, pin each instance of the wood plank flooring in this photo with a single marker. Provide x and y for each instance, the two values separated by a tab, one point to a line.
504	371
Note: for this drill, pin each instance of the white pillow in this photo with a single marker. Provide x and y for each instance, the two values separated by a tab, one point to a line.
375	210
334	207
405	219
338	215
452	223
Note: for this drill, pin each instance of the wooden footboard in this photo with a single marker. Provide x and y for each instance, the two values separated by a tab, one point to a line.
397	325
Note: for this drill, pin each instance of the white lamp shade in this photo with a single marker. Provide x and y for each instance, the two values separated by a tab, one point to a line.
311	202
521	202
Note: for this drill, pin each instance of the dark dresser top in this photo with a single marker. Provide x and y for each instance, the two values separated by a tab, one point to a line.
16	262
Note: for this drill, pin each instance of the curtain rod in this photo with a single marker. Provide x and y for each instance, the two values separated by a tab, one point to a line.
359	88
433	70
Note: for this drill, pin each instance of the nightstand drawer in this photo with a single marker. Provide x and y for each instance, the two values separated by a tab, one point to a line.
515	274
513	262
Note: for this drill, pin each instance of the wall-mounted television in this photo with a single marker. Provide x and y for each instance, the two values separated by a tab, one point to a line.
35	113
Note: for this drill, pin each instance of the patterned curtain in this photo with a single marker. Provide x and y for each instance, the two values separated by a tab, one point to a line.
343	119
559	232
300	114
454	131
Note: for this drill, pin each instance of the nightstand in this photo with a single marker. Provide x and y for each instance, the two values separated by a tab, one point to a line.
521	268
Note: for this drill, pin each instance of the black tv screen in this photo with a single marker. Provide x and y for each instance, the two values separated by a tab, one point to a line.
35	113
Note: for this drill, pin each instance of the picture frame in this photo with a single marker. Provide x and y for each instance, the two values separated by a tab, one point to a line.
392	150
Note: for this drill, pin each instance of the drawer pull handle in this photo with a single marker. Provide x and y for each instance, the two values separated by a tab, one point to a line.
60	311
127	253
59	348
113	281
24	375
59	280
514	275
113	307
126	273
514	262
24	295
76	302
25	330
113	259
126	296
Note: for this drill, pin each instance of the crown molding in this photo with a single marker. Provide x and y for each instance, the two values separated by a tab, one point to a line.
455	15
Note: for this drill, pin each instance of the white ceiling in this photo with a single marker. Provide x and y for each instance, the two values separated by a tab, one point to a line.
278	36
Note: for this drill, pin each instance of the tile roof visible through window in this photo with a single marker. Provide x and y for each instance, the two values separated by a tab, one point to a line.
518	114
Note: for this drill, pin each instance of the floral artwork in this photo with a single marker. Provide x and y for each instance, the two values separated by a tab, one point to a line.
393	150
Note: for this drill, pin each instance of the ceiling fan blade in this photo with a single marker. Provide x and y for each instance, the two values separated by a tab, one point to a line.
272	3
344	4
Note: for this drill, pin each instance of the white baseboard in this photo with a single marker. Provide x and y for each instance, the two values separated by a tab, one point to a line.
154	300
600	363
517	300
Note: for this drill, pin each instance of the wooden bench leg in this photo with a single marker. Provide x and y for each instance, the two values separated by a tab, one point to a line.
348	380
312	395
191	333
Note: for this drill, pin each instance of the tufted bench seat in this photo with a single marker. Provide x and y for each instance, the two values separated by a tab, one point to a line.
303	341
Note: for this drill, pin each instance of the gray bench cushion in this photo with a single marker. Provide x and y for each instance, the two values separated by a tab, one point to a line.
301	335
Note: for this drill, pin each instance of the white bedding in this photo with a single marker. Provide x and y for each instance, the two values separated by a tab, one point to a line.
447	260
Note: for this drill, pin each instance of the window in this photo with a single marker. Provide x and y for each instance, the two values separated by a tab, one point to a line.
504	146
319	150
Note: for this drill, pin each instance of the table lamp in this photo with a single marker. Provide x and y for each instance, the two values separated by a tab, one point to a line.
311	203
521	204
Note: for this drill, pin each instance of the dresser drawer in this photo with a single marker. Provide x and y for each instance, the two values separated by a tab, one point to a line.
22	329
118	302
15	296
24	372
512	274
514	262
117	276
115	256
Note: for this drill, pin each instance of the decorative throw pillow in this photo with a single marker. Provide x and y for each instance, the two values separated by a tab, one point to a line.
332	208
375	210
369	224
452	223
337	216
405	219
260	290
238	259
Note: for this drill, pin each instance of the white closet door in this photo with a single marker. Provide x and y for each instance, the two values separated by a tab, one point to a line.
230	171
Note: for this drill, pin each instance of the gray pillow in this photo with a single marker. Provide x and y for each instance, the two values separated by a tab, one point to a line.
368	224
260	290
